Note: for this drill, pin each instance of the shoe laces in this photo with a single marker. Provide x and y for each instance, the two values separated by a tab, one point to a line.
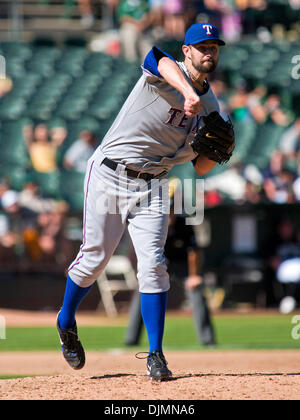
141	352
157	358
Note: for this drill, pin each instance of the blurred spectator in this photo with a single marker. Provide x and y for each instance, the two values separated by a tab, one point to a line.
255	104
281	236
81	150
254	4
9	201
225	15
41	149
193	9
52	240
231	21
86	11
230	183
274	110
284	263
8	241
174	23
215	10
135	19
6	86
17	221
58	134
278	180
280	189
252	193
4	186
30	199
296	187
295	4
238	103
275	165
290	140
156	10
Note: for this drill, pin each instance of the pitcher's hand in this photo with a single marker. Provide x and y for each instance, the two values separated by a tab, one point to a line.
192	105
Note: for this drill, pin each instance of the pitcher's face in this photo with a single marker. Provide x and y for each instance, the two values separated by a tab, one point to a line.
203	56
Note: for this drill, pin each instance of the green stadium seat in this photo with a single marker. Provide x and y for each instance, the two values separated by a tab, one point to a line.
46	52
44	68
15	69
229	63
70	109
260	60
98	61
278	79
24	88
40	112
254	73
245	132
282	45
271	52
235	52
49	183
266	141
72	184
16	178
250	44
14	153
72	61
12	108
23	50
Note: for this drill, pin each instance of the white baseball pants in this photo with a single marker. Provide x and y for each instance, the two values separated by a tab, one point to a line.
111	201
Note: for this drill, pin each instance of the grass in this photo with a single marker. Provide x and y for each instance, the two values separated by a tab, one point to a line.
245	332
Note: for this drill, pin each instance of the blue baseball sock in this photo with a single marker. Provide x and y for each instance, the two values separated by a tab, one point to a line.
73	296
153	308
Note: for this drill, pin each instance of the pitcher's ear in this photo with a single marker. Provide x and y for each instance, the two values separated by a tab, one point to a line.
186	50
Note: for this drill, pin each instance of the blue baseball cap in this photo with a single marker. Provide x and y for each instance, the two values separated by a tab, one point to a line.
202	32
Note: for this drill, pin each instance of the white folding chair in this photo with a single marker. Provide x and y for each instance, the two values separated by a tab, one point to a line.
119	266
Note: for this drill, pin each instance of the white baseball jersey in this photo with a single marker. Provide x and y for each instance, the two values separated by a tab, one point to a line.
151	132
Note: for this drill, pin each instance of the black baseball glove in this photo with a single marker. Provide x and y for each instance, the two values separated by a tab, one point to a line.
215	140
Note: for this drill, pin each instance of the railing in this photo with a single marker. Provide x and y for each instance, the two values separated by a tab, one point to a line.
26	19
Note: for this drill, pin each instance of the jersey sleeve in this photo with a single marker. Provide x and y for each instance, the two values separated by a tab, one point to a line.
150	66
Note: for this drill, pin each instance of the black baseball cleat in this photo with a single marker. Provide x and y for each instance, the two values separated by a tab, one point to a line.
71	347
157	366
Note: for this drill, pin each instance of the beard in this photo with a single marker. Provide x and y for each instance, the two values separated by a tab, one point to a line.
207	66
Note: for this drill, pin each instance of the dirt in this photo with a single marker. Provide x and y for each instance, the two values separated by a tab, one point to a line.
203	375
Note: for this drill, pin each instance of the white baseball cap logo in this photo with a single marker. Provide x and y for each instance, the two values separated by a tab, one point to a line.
208	28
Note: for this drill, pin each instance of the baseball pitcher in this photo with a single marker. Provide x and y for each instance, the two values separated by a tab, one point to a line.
170	117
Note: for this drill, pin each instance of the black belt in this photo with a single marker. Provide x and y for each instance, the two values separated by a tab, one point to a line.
130	172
